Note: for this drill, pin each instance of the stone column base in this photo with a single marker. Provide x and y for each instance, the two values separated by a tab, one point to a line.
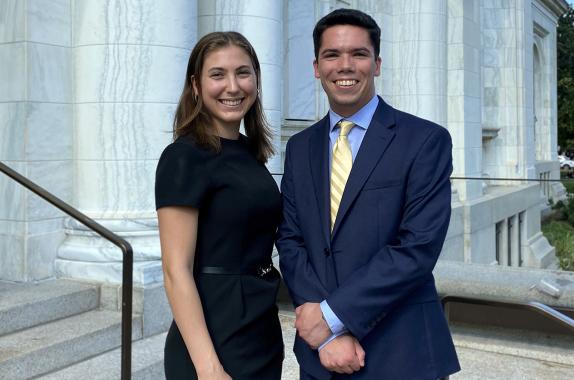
85	255
149	301
539	253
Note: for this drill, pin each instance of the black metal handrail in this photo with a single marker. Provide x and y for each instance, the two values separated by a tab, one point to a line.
127	264
540	308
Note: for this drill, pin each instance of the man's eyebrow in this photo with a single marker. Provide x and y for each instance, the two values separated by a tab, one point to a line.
362	50
329	51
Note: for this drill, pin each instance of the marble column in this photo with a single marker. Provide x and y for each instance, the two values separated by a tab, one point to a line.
507	83
35	132
420	58
129	66
261	22
300	84
464	95
382	12
545	102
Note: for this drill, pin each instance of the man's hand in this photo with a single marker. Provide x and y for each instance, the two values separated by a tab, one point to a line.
343	354
310	325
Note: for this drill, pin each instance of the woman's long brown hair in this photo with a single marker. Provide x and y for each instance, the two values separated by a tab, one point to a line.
191	117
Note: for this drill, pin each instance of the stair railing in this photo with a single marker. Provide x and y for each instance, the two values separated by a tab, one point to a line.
538	307
127	263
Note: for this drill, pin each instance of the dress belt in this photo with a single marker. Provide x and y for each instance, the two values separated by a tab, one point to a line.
259	271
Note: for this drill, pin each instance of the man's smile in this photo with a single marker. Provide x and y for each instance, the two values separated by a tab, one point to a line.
346	82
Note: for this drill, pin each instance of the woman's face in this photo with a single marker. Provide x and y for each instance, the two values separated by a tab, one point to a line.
228	87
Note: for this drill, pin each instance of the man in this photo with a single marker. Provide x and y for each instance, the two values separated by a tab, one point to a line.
366	208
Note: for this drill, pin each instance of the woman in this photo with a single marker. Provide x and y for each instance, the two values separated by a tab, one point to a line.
218	210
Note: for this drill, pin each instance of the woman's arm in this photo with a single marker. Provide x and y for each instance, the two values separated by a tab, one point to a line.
178	236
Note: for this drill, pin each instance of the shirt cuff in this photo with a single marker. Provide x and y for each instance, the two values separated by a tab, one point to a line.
335	325
330	339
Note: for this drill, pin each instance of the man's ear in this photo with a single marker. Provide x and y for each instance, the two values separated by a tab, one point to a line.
378	62
316	69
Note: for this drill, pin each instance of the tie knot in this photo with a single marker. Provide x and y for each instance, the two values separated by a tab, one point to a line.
345	127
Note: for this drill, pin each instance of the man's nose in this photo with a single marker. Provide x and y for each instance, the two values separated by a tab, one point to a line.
346	63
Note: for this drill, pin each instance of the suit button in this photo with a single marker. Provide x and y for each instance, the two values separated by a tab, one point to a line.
327	252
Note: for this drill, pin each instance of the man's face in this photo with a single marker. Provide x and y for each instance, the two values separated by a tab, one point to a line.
347	67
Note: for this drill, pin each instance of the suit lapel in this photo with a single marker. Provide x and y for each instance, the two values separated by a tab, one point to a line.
378	137
319	162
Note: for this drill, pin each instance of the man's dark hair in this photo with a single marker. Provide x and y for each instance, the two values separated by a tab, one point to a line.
345	16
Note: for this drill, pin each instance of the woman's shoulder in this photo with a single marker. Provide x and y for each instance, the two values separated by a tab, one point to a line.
184	149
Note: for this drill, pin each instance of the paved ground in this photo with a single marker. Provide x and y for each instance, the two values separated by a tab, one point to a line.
476	364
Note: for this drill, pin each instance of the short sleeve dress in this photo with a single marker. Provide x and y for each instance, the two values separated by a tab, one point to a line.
239	210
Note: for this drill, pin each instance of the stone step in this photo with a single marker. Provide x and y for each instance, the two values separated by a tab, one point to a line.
48	347
483	362
147	363
553	348
26	305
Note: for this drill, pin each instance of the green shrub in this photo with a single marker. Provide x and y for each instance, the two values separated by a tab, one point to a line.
569	185
561	236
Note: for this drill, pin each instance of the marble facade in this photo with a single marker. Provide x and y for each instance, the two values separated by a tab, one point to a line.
88	89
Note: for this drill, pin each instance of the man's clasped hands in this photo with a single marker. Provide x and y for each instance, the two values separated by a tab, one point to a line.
342	354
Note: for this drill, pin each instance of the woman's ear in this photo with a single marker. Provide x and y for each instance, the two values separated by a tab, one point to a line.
194	87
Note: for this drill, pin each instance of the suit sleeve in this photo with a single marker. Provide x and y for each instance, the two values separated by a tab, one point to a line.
395	271
296	268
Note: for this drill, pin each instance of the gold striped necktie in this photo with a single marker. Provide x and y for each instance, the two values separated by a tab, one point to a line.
340	167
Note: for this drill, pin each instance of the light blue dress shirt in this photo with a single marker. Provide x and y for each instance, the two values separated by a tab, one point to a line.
361	119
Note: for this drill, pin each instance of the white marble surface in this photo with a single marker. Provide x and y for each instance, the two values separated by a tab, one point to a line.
108	131
42	252
12	135
274	164
13	74
12	26
145	22
129	73
42	120
144	273
271	82
38	227
420	59
49	21
299	82
13	266
13	194
422	54
49	73
54	176
115	187
89	247
241	8
11	228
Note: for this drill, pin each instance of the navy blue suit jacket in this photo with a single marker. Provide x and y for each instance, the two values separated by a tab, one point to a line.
375	269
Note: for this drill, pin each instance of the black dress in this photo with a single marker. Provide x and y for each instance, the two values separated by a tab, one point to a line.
239	210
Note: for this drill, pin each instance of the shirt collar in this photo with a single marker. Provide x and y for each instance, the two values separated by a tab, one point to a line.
362	118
